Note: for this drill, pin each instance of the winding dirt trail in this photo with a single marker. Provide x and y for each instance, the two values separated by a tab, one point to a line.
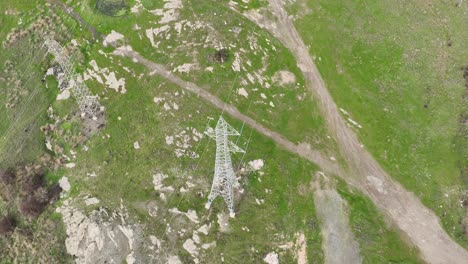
303	150
420	224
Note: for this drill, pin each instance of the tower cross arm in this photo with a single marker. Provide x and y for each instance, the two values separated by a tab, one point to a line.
234	148
211	133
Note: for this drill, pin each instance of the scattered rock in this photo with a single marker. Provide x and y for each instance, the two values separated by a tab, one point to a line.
256	165
70	165
173	260
185	68
98	238
242	92
136	145
301	249
204	229
190	246
91	201
271	258
223	222
284	77
64	184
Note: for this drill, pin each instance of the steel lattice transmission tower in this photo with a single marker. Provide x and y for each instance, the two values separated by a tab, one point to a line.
87	102
224	180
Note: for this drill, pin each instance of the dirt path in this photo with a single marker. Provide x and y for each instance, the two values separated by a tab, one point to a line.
303	150
419	223
339	244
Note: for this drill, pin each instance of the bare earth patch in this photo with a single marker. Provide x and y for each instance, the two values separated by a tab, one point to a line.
339	244
284	77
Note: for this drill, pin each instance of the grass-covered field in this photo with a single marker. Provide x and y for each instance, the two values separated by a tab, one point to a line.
396	67
213	26
124	172
277	202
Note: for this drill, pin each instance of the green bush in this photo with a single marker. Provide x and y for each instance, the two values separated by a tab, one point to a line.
113	8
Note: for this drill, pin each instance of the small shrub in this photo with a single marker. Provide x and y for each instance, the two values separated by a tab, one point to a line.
54	192
221	56
7	224
7	177
32	207
113	8
31	184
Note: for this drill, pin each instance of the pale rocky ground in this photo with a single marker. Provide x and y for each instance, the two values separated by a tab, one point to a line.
101	237
271	258
104	76
339	244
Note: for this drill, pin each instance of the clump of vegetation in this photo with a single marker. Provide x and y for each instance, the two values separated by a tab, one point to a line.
32	206
7	224
7	177
113	8
29	186
221	56
36	195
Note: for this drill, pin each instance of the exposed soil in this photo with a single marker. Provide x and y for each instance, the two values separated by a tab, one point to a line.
339	244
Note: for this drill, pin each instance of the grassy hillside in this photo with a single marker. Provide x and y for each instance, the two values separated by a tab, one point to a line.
395	66
155	127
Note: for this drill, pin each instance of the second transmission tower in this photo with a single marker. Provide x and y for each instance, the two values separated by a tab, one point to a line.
224	180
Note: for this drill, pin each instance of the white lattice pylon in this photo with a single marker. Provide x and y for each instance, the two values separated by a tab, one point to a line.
224	180
87	102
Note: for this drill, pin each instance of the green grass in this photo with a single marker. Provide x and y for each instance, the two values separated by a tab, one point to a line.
298	120
390	65
22	140
124	172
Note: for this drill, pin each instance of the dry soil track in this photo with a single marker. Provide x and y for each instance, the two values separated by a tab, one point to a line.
303	150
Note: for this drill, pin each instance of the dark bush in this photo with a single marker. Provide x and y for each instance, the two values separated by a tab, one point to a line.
54	192
112	7
32	207
221	56
7	224
33	183
7	177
